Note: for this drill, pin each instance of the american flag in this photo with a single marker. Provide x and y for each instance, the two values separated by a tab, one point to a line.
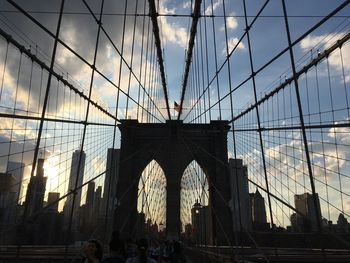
176	106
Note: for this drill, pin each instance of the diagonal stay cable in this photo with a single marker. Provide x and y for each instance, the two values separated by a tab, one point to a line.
79	56
314	62
73	191
313	28
33	57
124	60
223	199
345	242
136	180
195	18
224	63
153	14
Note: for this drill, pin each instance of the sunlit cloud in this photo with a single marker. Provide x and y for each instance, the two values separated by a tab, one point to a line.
232	43
231	23
210	10
171	32
338	59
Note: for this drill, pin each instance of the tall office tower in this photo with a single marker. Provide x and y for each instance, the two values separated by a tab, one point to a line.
240	199
304	203
90	194
258	211
36	190
53	197
17	170
111	178
98	202
110	187
7	199
75	178
201	224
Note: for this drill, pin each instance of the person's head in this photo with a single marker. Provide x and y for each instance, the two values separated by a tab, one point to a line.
93	248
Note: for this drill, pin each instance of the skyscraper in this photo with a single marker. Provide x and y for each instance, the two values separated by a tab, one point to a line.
17	170
90	194
111	178
7	199
110	187
53	197
201	224
258	211
75	179
304	204
36	190
239	195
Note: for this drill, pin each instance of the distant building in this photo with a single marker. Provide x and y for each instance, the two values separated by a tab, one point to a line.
343	225
75	179
36	190
304	204
90	194
240	199
53	197
7	199
17	170
110	187
201	224
111	178
97	207
258	211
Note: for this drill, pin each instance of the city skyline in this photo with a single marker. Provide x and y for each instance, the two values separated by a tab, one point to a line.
271	77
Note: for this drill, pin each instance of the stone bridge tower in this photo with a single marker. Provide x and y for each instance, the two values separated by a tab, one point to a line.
174	145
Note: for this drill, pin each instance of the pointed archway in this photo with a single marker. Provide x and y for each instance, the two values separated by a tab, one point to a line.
174	145
151	202
194	189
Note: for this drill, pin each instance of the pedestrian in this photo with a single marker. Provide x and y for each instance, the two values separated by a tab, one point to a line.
142	253
92	251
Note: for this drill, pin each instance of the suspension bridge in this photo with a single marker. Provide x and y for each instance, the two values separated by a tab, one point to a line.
220	124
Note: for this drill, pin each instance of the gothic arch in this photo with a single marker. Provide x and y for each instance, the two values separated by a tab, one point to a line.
174	145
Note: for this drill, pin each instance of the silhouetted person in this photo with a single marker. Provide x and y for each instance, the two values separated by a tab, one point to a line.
142	253
92	252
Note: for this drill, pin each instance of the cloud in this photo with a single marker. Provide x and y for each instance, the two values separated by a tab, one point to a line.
232	42
212	8
186	5
322	42
171	32
231	23
341	134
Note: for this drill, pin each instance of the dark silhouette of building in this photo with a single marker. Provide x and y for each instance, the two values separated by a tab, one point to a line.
304	204
109	190
200	217
36	190
240	199
343	225
17	170
75	178
97	207
7	201
51	200
163	142
90	196
258	211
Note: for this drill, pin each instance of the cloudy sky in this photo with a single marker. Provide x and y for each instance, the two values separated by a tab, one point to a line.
22	84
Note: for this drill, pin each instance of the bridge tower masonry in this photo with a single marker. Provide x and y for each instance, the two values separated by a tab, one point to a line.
174	145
